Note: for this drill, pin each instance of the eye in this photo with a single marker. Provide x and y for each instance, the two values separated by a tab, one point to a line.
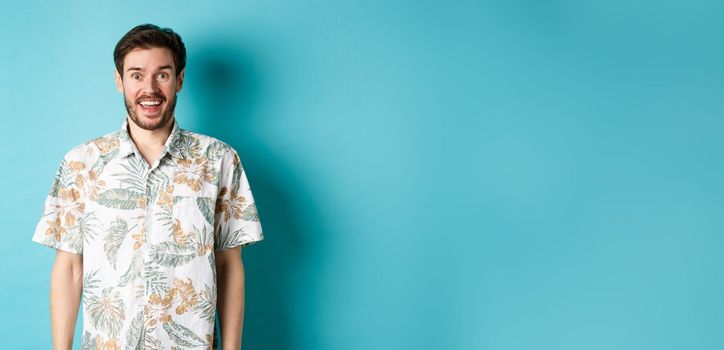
163	76
135	76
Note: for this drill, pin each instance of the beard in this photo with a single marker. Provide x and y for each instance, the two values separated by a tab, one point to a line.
134	110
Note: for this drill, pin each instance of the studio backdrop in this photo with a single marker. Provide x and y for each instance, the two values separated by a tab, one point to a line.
429	174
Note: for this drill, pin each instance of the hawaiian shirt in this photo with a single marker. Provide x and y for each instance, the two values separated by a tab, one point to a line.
148	234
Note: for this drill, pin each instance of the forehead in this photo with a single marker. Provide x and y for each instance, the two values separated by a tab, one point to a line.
148	59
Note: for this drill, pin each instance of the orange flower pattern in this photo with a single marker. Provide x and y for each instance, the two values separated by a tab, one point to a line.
148	234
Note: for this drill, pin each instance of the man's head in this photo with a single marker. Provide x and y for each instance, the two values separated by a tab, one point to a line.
150	64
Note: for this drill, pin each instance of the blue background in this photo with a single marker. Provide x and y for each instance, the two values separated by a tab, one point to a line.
430	175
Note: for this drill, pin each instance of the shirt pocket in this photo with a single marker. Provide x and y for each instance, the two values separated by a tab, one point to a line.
193	218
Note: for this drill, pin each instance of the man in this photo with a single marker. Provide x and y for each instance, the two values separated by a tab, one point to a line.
148	221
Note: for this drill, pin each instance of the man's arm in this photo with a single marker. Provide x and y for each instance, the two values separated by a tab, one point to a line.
66	284
230	296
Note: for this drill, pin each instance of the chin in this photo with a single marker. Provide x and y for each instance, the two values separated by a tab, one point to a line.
150	123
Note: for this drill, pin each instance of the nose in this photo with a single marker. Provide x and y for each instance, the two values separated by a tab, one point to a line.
150	86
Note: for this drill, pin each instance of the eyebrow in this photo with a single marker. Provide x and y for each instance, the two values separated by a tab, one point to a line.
141	69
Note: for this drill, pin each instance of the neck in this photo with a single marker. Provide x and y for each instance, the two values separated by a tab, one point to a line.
149	138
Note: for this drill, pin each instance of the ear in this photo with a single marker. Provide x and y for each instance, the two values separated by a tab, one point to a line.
180	80
119	81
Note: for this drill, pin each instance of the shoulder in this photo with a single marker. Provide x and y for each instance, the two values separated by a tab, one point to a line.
88	151
204	140
206	145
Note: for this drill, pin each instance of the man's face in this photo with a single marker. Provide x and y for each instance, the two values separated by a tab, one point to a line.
149	86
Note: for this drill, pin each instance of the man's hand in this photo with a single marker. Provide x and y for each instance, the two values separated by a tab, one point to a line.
66	285
230	296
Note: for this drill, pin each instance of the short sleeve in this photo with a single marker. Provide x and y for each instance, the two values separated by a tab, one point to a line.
62	217
236	220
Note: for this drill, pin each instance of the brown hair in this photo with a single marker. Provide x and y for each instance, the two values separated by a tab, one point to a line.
147	36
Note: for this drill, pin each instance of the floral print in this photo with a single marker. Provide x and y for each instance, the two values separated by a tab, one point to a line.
192	173
69	205
148	234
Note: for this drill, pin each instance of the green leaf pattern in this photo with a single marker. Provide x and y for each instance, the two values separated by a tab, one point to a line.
114	238
119	198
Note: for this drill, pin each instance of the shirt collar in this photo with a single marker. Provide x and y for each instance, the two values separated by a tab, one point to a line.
171	146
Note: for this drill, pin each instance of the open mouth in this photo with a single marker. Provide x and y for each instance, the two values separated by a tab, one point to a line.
150	106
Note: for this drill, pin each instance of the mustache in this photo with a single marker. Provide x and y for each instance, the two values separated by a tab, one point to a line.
154	96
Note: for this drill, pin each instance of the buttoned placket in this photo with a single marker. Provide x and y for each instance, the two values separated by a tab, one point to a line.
147	224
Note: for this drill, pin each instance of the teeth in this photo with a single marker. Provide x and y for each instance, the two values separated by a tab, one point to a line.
150	103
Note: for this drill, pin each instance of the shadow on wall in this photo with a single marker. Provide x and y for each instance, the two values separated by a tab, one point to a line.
226	90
